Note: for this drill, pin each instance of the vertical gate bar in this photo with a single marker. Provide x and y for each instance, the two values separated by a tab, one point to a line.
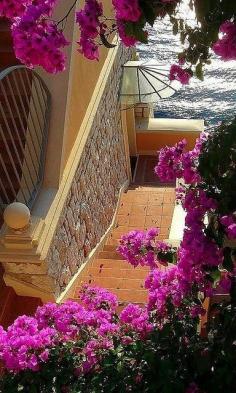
22	127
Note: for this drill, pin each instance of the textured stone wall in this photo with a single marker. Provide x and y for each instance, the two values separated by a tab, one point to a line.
92	200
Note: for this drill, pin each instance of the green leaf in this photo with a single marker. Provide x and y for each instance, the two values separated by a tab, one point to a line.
175	27
199	71
227	263
148	11
136	30
215	275
105	42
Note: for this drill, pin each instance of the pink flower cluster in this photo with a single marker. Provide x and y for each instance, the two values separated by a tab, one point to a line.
225	47
95	298
29	341
198	253
127	10
25	345
128	40
165	285
225	283
179	74
176	163
37	40
93	352
229	223
136	320
142	248
13	8
90	28
169	165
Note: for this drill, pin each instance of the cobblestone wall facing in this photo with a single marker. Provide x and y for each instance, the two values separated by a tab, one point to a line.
93	197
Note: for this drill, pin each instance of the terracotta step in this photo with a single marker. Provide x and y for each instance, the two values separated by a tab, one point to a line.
115	263
131	296
109	255
114	282
110	270
113	242
126	296
117	272
110	247
117	234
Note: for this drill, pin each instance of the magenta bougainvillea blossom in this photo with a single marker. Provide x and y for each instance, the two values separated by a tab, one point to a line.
28	341
229	223
198	254
179	74
91	333
127	40
136	319
37	40
142	248
127	10
13	8
25	345
90	27
176	163
225	47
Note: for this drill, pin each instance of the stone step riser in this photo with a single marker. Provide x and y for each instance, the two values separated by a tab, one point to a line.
115	283
109	255
116	263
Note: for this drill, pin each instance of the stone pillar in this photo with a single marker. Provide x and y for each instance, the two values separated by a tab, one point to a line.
25	271
144	111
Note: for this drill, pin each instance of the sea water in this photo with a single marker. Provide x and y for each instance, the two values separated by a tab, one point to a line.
213	99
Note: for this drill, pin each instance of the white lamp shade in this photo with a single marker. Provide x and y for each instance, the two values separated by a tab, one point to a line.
145	82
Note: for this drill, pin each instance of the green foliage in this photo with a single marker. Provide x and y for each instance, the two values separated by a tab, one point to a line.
167	362
197	40
217	166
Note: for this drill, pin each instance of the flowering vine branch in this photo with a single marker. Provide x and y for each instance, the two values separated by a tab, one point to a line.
30	20
67	14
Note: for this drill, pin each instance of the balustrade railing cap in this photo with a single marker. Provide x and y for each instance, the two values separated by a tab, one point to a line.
16	216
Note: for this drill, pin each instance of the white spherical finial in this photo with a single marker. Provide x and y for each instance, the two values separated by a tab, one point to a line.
16	216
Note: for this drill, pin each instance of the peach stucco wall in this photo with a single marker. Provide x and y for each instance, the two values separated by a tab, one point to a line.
149	143
71	92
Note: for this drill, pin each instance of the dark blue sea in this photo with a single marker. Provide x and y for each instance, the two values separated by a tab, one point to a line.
213	100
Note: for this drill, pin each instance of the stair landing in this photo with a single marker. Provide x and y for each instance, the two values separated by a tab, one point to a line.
141	207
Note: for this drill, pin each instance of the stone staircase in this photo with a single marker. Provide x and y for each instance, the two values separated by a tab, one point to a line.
141	207
112	272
